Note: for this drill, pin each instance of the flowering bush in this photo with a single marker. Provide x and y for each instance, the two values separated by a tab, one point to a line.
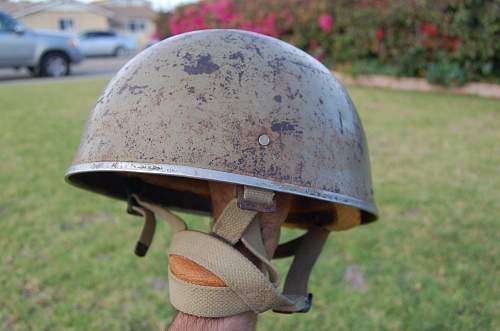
447	41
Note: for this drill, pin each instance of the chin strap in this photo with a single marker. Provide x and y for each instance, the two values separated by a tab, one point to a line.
248	286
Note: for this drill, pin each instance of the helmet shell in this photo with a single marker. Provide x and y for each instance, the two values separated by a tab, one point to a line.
231	106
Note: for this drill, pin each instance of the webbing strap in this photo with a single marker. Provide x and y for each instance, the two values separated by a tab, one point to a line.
249	287
232	222
288	248
306	254
149	210
240	274
148	231
252	239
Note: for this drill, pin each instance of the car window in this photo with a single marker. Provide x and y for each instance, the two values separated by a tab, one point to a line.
7	23
107	34
98	34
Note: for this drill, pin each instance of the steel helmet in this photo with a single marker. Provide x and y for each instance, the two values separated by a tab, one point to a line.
230	106
241	108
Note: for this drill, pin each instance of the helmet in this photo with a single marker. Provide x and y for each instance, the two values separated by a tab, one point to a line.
241	108
229	106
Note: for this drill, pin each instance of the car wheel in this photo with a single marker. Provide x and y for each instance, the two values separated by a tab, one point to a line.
54	65
120	51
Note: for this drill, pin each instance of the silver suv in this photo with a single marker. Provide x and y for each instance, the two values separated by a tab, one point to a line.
44	54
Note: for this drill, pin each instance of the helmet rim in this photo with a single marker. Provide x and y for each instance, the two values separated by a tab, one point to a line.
221	176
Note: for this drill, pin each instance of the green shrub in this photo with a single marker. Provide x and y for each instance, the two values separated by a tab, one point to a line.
448	41
446	73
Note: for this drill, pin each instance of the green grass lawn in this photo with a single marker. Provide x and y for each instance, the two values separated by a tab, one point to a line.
432	262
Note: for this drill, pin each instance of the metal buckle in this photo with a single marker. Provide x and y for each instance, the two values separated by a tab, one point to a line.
244	202
131	202
308	305
306	308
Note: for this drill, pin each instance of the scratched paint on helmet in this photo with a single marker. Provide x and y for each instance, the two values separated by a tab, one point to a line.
203	99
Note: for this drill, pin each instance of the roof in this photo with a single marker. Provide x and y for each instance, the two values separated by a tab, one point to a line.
111	10
12	7
124	12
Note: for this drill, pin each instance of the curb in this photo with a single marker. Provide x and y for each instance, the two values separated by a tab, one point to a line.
418	84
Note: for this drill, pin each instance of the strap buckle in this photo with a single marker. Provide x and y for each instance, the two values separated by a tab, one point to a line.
307	306
256	199
131	203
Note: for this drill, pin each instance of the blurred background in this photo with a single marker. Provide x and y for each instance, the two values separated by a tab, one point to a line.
425	78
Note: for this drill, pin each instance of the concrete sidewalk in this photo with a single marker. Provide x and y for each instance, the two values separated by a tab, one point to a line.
419	84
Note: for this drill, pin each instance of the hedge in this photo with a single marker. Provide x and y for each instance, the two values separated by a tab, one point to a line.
449	42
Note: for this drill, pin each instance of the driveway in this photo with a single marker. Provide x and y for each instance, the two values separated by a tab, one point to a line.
91	67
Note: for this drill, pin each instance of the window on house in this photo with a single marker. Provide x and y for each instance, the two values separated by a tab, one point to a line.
132	26
136	25
65	24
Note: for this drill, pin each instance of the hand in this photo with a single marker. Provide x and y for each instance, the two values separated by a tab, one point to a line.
221	194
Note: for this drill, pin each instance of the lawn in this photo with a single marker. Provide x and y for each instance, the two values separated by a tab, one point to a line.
430	263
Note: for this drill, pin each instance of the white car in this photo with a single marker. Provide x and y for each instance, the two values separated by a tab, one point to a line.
106	43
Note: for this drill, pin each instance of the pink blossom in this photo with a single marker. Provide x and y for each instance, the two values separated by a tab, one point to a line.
157	35
271	20
430	29
174	26
205	8
325	22
190	10
257	29
269	25
380	34
223	10
319	57
246	25
198	23
289	18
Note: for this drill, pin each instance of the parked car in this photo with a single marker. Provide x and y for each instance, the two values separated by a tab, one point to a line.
106	43
43	53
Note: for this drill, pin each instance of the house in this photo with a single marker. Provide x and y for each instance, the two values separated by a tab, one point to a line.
134	18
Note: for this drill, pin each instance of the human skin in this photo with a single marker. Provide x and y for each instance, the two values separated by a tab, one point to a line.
221	194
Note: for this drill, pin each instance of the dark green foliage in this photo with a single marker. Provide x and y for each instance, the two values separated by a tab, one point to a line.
448	41
446	73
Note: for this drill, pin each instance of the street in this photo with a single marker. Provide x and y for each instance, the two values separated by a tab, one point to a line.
91	67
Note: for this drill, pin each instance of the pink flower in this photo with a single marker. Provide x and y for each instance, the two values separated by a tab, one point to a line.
380	34
198	23
257	29
325	22
157	35
430	29
271	20
269	25
190	10
174	26
289	18
450	43
205	8
246	25
223	10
